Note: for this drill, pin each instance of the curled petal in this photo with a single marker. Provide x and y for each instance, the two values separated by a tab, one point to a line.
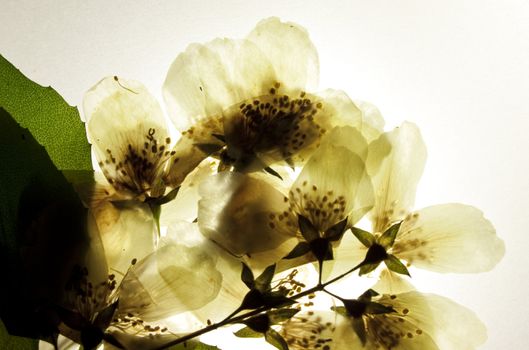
449	238
176	278
243	214
125	233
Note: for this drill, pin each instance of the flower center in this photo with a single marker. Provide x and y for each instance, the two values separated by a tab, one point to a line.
279	125
139	165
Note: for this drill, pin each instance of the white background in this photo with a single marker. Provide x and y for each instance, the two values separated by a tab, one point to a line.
458	69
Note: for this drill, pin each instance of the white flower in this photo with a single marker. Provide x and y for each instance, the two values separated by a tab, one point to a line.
443	238
126	126
249	102
99	305
417	322
252	219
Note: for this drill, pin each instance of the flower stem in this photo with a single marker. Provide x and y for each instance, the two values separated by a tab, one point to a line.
232	320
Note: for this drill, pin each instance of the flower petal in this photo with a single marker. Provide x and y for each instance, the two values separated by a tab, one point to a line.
395	178
449	238
372	121
288	47
243	214
185	205
205	79
127	128
332	185
176	278
451	325
126	234
392	283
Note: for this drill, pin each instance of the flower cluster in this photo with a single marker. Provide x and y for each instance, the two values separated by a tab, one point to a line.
249	203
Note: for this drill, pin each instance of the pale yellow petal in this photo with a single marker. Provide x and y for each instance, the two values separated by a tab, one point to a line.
372	125
449	238
176	278
451	325
243	214
392	283
127	128
331	187
289	49
126	234
185	205
206	79
395	179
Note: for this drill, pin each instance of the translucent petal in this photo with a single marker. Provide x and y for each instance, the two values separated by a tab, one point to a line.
332	186
205	79
395	178
231	293
289	49
309	330
350	138
347	255
392	283
176	278
126	234
451	325
410	327
185	205
449	238
243	214
127	128
372	121
137	342
187	154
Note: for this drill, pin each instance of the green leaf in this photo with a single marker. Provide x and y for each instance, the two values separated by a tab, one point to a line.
360	329
366	238
252	300
388	237
247	276
273	172
53	123
368	294
10	342
367	268
341	310
275	339
377	308
308	230
219	137
247	332
281	315
259	323
300	249
355	308
262	283
165	199
322	249
335	232
42	232
394	264
209	148
375	254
